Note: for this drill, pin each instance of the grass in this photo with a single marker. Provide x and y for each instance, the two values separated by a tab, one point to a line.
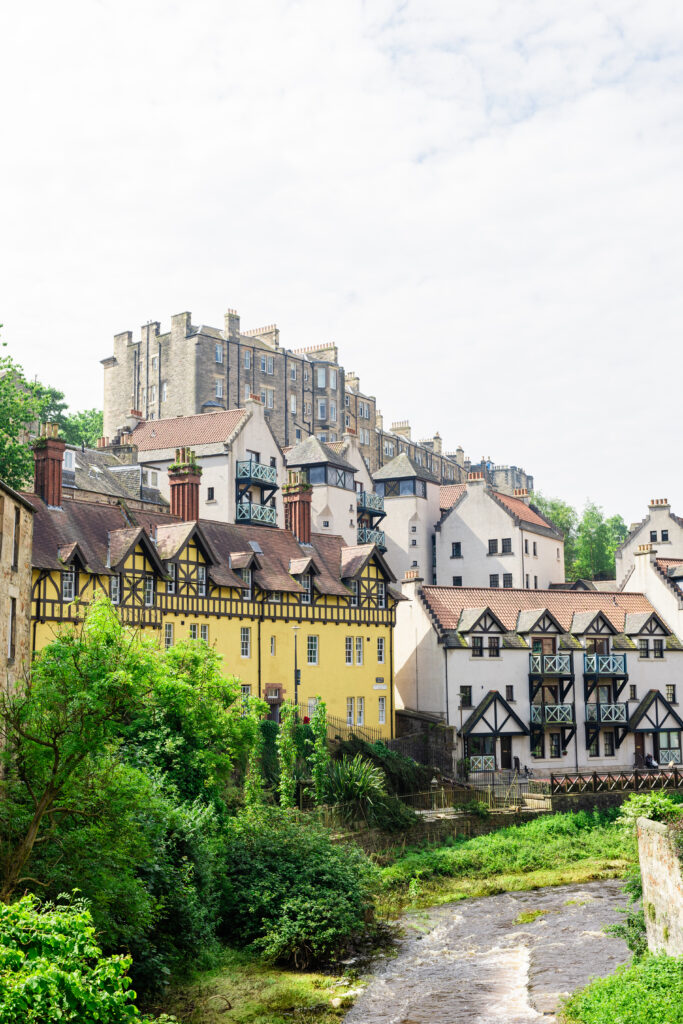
527	916
649	991
243	990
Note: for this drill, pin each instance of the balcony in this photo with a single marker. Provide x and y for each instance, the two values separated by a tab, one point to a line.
256	472
247	512
604	664
368	536
607	714
552	714
369	502
550	665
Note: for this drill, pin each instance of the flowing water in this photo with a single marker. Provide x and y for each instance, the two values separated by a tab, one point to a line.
473	962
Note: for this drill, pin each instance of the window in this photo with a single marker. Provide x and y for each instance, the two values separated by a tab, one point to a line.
349	710
219	389
507	545
270	365
267	397
247	592
494	647
333	411
149	591
306	584
360	710
15	539
558	553
456	549
632	692
320	376
359	650
538	745
245	690
272	646
247	359
210	494
494	579
594	748
68	460
263	364
653	535
247	391
658	648
413	529
68	585
219	353
245	642
333	379
527	581
381	595
275	597
554	744
168	635
457	581
526	546
292	373
382	710
535	582
493	547
322	408
170	582
413	542
477	647
608	743
669	747
643	649
665	535
380	650
194	631
115	589
305	375
12	629
507	580
535	549
509	693
354	593
465	696
348	650
312	650
204	632
292	405
201	580
671	693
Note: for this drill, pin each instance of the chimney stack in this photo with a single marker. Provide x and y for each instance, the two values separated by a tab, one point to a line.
48	455
184	476
297	494
522	493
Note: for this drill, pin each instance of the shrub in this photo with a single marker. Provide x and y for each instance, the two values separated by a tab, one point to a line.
650	991
632	930
290	893
402	774
52	969
658	806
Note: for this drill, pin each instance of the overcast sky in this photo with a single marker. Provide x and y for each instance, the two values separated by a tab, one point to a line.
480	203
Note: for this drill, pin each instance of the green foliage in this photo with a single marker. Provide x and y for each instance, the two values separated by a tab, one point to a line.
632	928
402	774
20	406
590	540
319	756
650	991
290	893
662	805
557	838
354	780
253	777
51	968
77	428
287	755
566	519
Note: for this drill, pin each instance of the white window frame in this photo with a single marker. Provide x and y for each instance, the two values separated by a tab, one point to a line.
380	650
219	353
164	392
292	405
247	593
313	649
348	650
219	388
115	589
168	635
354	594
333	411
333	380
359	650
320	376
292	373
68	584
245	642
360	710
204	632
247	359
322	408
306	584
381	595
350	710
264	364
149	591
270	368
201	580
245	690
171	583
69	459
194	631
275	597
382	710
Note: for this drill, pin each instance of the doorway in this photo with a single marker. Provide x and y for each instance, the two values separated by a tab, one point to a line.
640	750
506	752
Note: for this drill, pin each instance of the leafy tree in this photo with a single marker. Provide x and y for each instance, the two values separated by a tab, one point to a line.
20	405
590	541
83	427
565	519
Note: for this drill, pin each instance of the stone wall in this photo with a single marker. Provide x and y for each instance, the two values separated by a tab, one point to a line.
16	534
660	868
563	802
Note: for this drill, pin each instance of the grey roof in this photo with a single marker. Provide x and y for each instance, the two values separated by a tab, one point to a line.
635	621
402	467
103	473
581	621
312	452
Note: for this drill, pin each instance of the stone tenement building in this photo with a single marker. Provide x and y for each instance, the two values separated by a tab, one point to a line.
194	369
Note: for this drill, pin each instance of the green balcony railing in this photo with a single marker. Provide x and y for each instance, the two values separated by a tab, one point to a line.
369	502
550	664
368	536
604	664
607	714
552	714
247	512
257	471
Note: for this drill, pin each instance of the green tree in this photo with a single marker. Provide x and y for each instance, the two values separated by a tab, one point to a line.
287	755
565	519
319	757
83	427
593	557
20	406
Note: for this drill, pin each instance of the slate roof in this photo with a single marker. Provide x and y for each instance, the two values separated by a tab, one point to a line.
402	467
184	431
312	452
446	604
103	473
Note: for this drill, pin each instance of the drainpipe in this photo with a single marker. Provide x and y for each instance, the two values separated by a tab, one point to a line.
445	665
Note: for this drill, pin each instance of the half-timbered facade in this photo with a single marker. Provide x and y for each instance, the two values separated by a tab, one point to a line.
557	680
268	602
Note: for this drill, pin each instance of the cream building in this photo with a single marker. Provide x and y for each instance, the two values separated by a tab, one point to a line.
660	527
411	504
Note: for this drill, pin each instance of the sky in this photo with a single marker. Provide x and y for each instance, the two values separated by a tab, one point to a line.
479	202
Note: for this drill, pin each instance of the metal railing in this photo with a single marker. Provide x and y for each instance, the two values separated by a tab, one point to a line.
370	501
248	512
368	536
610	714
604	664
250	470
552	714
507	787
639	779
551	665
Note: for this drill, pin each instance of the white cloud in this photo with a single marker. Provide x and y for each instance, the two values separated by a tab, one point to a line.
480	202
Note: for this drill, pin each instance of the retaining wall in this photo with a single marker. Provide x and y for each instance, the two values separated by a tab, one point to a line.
660	868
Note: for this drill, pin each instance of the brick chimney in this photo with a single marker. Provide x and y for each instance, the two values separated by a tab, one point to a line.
184	476
48	454
522	493
297	494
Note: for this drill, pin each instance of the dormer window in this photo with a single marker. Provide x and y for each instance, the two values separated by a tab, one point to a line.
354	593
68	584
68	460
477	647
306	584
115	589
247	592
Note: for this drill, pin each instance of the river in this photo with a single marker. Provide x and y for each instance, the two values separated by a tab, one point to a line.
475	962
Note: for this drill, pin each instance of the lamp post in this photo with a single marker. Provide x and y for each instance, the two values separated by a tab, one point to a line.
297	673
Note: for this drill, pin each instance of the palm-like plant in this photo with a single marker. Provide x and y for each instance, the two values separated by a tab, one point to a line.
356	783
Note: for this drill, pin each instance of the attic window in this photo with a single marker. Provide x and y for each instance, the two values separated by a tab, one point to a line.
68	460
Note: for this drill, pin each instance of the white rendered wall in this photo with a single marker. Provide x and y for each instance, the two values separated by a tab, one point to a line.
659	518
405	546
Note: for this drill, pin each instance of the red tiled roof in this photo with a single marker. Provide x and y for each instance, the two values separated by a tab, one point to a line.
447	604
449	494
523	511
183	431
666	563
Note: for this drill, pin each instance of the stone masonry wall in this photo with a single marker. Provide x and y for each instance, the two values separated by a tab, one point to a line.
662	887
15	584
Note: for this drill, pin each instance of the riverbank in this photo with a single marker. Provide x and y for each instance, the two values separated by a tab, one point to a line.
566	849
